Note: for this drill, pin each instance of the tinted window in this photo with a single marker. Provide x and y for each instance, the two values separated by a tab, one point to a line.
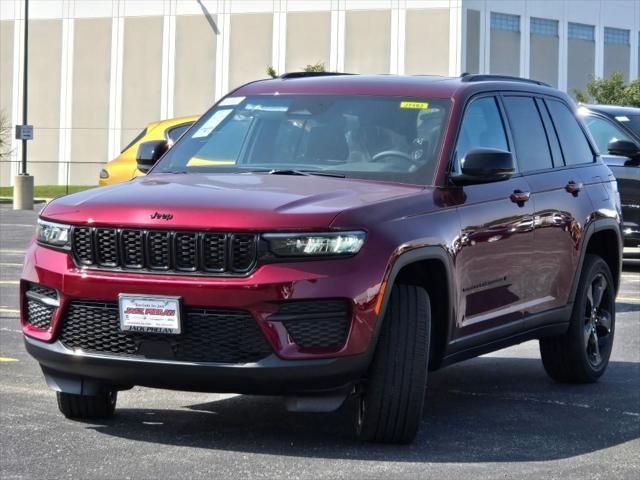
173	134
632	122
556	153
603	132
529	136
481	127
573	141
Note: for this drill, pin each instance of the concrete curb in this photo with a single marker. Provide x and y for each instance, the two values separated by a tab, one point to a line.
4	200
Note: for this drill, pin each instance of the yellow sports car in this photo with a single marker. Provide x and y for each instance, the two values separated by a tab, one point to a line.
123	167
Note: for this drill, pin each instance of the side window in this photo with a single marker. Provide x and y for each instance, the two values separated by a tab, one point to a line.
174	133
529	135
482	127
574	143
603	132
552	136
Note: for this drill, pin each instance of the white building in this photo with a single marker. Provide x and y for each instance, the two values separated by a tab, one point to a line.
100	70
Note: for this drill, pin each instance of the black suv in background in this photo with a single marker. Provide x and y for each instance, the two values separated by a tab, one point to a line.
616	132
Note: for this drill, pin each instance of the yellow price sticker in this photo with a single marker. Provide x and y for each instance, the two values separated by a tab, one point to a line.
415	105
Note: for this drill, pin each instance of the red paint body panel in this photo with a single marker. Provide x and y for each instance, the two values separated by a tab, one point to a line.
231	202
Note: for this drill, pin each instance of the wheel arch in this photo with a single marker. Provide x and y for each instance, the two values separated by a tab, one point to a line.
432	269
603	238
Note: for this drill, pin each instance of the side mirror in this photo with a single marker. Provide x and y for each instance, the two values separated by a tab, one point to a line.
149	153
623	148
485	165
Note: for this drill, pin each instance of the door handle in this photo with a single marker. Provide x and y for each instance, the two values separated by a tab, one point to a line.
520	197
574	188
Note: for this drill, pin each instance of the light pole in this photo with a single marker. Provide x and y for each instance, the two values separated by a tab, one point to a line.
23	183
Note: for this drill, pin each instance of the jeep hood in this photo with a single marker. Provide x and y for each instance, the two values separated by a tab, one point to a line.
235	202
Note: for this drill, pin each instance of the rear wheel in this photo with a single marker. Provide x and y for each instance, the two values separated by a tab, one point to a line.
87	406
582	354
390	407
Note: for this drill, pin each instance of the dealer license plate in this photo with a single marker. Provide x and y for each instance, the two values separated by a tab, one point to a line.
149	314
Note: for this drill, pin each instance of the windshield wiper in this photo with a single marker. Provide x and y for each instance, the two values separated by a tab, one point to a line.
276	171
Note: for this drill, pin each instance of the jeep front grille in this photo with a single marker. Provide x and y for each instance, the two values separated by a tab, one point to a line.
164	250
208	335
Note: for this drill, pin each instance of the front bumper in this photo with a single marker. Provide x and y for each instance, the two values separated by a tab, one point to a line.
289	368
87	373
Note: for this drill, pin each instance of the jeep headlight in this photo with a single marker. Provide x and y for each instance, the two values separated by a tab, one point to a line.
54	234
315	244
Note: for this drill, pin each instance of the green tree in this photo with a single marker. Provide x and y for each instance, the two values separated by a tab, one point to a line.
272	72
315	67
632	93
610	91
311	67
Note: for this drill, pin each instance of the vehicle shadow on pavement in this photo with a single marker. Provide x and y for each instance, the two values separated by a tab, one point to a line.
623	307
489	409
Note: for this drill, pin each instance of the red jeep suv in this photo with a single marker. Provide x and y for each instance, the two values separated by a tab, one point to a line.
326	236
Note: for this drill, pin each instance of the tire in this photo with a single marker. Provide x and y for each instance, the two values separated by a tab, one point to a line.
581	355
389	409
87	406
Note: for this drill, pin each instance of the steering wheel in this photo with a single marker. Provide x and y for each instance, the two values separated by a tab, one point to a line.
394	153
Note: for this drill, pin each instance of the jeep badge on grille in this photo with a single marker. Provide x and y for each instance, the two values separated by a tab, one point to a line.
161	216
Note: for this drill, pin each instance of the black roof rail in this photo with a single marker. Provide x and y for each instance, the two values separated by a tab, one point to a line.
288	75
482	77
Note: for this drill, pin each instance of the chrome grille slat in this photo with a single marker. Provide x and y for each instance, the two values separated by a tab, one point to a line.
164	251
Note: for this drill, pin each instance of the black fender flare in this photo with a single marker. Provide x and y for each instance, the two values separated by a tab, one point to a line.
401	260
594	227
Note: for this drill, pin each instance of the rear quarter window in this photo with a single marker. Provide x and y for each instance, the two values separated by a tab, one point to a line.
573	142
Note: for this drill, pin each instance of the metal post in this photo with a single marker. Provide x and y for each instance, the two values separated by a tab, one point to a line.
25	78
23	183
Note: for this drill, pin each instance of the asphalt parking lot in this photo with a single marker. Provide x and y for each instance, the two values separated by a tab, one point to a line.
497	416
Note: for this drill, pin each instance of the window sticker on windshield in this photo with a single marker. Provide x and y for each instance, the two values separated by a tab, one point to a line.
622	118
211	124
229	101
415	105
266	108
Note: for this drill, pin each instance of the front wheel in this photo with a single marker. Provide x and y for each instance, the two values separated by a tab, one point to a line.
390	408
82	407
581	355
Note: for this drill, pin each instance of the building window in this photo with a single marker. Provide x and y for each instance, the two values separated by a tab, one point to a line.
580	31
616	35
543	26
504	21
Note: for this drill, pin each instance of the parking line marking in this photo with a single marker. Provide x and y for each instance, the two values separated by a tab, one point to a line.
19	225
628	299
8	359
10	264
9	310
12	330
10	251
9	282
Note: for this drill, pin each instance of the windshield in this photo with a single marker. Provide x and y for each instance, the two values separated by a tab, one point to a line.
380	138
632	122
